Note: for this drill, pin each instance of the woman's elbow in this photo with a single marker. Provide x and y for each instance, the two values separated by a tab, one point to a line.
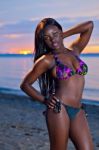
23	86
91	24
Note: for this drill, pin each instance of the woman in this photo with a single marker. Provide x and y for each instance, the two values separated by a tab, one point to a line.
61	78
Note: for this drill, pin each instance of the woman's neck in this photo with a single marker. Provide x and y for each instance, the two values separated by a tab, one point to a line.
61	51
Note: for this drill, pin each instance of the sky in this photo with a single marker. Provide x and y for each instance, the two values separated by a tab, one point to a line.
19	18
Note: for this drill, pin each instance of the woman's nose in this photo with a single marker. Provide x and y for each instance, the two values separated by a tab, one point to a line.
53	39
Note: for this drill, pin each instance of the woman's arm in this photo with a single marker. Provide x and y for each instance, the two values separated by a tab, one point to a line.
40	66
85	30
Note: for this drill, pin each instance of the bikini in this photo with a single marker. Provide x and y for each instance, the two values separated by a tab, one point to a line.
63	72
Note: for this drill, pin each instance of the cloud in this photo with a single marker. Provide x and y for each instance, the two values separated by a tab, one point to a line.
26	26
17	29
21	34
13	36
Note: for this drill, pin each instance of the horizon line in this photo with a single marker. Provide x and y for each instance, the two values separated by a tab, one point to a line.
34	53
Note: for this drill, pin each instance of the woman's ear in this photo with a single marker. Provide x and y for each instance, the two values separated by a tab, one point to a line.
62	35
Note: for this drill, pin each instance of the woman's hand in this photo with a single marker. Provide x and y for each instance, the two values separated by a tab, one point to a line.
53	103
50	102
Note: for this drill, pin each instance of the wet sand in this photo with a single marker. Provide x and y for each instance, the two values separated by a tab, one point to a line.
23	127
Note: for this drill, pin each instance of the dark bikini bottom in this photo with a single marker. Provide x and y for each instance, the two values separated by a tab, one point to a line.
72	111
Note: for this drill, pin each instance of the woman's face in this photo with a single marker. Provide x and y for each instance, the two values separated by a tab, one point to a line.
53	37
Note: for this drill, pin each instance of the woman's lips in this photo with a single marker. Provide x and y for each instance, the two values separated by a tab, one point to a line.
55	44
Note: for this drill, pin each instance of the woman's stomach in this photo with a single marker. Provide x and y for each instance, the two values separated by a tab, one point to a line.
70	92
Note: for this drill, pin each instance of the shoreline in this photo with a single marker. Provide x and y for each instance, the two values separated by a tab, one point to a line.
23	126
20	93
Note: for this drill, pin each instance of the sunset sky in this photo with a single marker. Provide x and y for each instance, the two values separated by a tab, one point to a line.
19	18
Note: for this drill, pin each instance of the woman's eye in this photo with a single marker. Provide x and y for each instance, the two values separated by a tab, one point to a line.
46	38
56	33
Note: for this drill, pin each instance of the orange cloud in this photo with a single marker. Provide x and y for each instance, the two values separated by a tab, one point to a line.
91	49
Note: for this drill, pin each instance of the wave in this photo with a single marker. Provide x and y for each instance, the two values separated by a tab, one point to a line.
85	100
12	91
91	90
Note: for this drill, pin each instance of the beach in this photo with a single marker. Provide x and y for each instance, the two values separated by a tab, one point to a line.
23	126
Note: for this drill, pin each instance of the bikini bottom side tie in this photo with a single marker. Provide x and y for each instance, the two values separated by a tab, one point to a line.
71	111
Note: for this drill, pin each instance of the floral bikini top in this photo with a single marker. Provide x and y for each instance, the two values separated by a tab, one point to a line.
64	72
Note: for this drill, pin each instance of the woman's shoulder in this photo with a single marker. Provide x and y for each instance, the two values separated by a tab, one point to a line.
46	59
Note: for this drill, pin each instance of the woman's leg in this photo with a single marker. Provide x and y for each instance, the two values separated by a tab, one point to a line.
58	128
79	132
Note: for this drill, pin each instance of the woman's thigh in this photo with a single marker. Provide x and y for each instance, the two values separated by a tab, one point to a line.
80	133
58	128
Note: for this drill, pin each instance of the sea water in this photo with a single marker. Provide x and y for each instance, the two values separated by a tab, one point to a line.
14	68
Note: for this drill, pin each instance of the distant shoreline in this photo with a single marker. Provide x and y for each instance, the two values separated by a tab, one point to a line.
31	55
16	55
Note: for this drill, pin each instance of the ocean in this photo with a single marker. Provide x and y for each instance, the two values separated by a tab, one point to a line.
13	68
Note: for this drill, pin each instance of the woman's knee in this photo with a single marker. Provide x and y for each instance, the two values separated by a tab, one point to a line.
58	143
56	147
85	146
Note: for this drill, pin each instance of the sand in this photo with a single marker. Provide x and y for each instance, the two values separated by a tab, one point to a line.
23	127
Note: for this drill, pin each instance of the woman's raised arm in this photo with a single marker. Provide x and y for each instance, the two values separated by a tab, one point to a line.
85	30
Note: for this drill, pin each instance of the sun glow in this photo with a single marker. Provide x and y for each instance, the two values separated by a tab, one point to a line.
92	49
25	52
